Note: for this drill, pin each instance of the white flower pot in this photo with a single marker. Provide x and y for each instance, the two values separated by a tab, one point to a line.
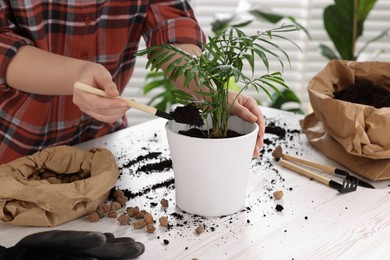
211	174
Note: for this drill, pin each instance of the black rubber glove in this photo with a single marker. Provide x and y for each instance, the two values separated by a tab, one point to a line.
73	245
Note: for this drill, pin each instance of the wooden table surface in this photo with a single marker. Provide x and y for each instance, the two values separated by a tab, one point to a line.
316	222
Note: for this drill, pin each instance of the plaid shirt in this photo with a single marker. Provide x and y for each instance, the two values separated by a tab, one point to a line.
103	31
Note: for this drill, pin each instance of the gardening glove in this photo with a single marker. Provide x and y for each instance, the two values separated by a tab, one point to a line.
73	245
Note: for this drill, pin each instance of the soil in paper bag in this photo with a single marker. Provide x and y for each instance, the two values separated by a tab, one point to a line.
365	92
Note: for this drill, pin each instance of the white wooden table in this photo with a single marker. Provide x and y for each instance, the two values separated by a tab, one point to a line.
316	222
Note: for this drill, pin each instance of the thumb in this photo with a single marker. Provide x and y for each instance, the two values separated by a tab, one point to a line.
105	83
111	89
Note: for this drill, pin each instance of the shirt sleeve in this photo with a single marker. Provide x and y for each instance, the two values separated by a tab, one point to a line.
10	40
171	22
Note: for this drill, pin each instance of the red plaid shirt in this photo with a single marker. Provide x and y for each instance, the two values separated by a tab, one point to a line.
103	31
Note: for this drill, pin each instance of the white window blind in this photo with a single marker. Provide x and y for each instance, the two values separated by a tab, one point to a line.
304	64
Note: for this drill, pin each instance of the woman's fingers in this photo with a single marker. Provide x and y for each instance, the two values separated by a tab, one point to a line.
103	109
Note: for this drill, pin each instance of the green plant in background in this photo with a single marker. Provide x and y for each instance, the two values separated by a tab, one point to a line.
255	13
220	67
344	23
168	95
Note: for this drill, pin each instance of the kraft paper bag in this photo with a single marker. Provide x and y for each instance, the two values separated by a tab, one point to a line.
33	202
362	130
373	169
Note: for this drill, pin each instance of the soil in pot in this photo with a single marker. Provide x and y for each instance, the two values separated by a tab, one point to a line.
365	92
201	133
188	114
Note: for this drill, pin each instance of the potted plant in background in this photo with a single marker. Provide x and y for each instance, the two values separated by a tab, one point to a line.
211	172
344	23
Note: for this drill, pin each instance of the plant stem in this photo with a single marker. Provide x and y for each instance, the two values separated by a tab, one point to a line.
355	27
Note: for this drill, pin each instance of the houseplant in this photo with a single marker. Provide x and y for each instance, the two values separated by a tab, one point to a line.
164	95
204	183
344	23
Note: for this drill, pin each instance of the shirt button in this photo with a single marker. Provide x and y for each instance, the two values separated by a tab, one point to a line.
84	54
87	20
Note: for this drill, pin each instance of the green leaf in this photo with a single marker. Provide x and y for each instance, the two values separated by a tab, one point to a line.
231	84
344	26
338	22
269	17
287	96
153	85
251	60
364	8
328	52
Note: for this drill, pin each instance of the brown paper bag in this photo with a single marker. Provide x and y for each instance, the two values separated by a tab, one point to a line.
362	130
373	169
40	203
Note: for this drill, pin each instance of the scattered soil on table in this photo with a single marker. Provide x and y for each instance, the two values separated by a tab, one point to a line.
365	92
188	114
155	163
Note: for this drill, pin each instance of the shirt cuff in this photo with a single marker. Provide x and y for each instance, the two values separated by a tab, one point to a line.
172	23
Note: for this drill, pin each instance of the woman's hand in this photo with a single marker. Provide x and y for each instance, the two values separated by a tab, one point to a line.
103	109
247	109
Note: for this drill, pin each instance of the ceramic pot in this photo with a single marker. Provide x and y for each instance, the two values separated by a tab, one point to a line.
211	174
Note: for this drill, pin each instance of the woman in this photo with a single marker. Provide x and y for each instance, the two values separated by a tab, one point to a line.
46	46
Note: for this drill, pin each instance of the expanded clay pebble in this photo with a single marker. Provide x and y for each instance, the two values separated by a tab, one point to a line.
54	180
150	228
132	211
93	216
278	194
117	193
199	230
112	214
74	178
121	200
139	224
148	218
115	206
164	203
47	175
164	221
104	207
141	214
123	219
101	213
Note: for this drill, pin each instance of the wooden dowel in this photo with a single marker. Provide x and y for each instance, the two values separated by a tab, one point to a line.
325	168
304	172
130	102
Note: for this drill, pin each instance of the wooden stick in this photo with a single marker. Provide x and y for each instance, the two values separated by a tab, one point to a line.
304	172
278	153
130	102
328	169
